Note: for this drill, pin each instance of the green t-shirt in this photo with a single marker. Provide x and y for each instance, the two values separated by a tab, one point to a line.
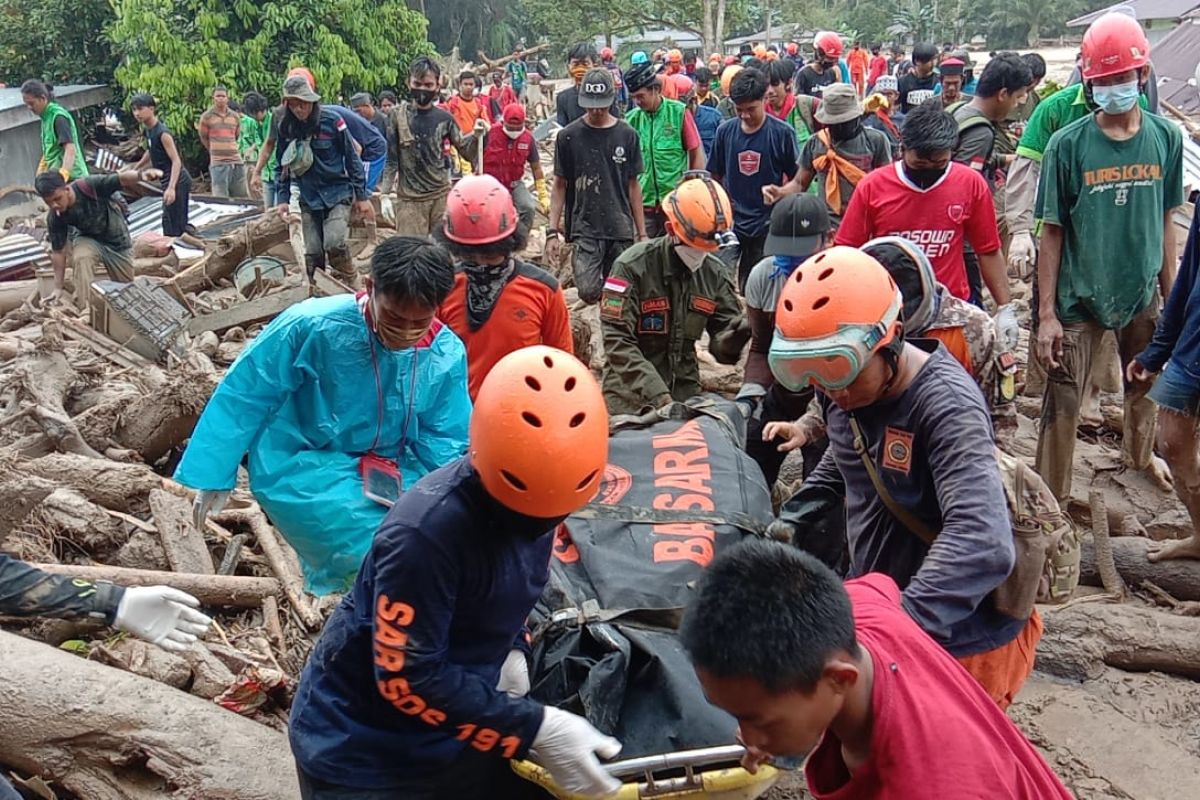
252	134
1053	113
1110	198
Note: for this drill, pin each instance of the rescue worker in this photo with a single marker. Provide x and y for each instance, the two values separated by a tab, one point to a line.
499	303
317	153
663	295
61	150
878	67
708	118
911	449
823	69
257	121
342	403
857	61
597	161
86	228
706	94
507	149
725	106
518	71
499	94
840	155
669	140
417	687
420	131
1109	186
1021	114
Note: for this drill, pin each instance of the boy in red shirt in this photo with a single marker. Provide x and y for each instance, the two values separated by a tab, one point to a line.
935	204
844	679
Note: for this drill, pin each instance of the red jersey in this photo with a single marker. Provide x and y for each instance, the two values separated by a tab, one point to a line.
936	731
879	68
505	158
530	310
887	203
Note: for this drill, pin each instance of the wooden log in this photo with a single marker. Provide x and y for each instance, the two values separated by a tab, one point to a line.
1178	577
250	312
184	545
18	497
253	238
14	293
491	65
236	591
1081	639
105	734
112	484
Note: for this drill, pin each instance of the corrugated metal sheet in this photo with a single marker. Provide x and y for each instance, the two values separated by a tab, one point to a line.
20	253
145	215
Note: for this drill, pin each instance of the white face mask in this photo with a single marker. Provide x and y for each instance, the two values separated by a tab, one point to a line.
513	134
692	257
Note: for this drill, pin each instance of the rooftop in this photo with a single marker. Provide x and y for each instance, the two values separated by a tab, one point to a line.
1143	10
73	97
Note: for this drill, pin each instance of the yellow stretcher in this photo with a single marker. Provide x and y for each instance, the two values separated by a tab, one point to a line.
711	773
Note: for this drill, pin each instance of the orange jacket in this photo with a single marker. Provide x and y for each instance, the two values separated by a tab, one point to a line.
857	61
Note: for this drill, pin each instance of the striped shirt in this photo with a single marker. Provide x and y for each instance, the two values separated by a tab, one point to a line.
219	134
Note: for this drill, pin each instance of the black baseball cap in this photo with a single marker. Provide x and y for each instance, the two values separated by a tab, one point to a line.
597	89
797	223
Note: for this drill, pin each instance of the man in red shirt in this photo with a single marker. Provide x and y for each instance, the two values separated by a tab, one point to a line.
507	148
499	303
935	204
879	66
499	95
842	679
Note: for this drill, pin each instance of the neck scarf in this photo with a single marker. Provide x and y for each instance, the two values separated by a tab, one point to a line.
785	266
484	284
835	167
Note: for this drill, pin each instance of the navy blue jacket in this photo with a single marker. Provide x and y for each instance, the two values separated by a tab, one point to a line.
1178	334
374	146
336	175
404	676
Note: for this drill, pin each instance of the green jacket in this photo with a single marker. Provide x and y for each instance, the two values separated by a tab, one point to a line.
653	310
52	151
661	137
252	134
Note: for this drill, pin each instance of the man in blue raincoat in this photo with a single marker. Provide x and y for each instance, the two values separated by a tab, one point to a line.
334	389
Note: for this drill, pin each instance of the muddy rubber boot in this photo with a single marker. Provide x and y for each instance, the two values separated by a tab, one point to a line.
312	264
343	268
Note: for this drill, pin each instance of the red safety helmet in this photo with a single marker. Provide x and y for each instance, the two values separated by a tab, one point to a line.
792	48
479	210
1113	44
606	53
304	73
829	43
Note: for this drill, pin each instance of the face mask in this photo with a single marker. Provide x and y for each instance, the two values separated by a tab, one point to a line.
845	130
394	338
785	265
514	135
691	257
422	97
1117	99
577	72
826	64
924	178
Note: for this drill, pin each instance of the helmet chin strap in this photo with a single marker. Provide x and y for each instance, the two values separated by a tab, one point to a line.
894	354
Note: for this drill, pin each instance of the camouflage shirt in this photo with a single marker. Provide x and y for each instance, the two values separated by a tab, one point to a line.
26	591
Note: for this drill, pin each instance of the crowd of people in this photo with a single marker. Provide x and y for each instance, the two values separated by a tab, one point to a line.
853	224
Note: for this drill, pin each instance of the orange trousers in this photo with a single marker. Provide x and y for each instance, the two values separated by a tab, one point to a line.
1002	672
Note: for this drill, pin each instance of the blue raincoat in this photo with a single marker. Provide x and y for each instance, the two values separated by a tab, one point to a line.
302	400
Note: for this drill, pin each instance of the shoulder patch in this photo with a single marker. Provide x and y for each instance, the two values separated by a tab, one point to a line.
704	305
617	285
340	124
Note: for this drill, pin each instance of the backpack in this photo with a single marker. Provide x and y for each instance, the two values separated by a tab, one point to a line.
1048	548
116	199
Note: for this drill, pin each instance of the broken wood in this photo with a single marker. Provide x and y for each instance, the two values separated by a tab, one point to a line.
1079	640
21	495
327	285
253	238
184	545
213	590
1179	577
270	610
500	62
43	379
112	484
105	734
1109	575
284	568
250	312
233	555
105	347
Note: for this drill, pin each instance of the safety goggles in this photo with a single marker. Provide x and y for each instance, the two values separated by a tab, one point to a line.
831	362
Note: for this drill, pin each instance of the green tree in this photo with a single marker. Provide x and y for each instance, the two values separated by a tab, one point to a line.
179	49
56	40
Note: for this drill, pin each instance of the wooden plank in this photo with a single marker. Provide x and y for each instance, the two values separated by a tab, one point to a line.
121	356
249	312
326	285
184	545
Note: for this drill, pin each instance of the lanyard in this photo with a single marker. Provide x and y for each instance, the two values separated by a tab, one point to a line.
412	396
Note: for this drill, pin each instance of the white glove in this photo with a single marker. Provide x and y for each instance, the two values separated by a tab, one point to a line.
1021	253
1007	331
385	208
161	615
208	501
567	746
514	675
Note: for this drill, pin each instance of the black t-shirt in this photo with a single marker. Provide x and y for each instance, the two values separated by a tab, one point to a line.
567	108
813	83
158	154
94	215
915	90
598	164
380	123
62	130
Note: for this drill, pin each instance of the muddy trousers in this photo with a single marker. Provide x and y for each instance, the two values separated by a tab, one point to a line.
592	260
325	232
419	217
91	260
1064	391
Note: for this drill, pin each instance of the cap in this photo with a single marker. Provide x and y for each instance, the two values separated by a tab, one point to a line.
964	57
297	87
797	222
597	90
360	99
951	67
839	103
514	114
887	83
639	76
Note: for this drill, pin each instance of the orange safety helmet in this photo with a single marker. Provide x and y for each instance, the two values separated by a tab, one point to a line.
674	56
304	73
479	210
606	53
1113	44
760	51
714	57
539	433
829	43
727	77
699	212
835	310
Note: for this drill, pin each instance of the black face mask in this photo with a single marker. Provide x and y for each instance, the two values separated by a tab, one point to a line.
842	131
826	64
423	97
926	177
